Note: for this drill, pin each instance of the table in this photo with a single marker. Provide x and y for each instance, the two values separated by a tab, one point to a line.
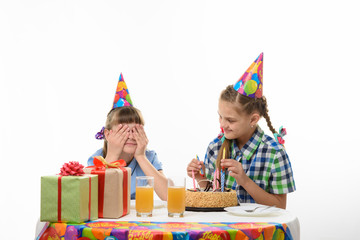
193	226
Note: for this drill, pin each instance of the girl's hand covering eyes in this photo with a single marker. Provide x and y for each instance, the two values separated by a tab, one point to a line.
141	140
116	138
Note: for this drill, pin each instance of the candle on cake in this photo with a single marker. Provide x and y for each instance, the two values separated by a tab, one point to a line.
193	177
223	174
201	171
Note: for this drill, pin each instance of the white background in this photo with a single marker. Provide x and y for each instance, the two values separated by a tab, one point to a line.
60	62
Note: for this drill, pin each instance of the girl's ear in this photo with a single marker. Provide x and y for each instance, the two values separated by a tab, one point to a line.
254	119
106	133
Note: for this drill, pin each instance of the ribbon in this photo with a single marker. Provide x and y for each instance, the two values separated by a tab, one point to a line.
101	185
100	135
279	137
89	198
125	189
100	162
59	198
100	165
72	168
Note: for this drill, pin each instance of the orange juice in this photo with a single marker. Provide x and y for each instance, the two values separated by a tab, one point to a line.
176	199
144	201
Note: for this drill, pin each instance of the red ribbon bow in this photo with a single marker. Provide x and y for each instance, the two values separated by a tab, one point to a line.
72	168
101	163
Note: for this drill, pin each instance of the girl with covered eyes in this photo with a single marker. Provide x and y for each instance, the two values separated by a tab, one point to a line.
125	138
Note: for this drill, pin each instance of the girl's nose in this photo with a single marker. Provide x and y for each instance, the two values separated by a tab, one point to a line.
131	135
222	123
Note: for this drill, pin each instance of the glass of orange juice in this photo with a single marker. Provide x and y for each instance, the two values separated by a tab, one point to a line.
144	196
176	196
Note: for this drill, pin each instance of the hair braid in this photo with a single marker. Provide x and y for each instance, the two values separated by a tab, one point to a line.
265	113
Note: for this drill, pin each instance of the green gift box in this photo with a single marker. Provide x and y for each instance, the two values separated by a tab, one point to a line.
69	198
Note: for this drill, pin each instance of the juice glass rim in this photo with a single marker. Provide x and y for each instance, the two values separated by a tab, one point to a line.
177	181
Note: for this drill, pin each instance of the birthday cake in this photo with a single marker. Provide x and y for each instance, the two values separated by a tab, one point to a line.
210	199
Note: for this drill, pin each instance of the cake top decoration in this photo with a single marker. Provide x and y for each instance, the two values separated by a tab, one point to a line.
209	187
72	169
251	82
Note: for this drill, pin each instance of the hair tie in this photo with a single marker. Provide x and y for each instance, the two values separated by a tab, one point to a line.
100	135
279	137
221	135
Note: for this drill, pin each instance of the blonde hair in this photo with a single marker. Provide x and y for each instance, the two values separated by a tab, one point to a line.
126	114
248	105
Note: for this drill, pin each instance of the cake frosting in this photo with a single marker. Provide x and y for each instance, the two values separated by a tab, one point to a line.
217	199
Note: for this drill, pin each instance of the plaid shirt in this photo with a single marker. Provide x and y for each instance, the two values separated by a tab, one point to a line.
264	161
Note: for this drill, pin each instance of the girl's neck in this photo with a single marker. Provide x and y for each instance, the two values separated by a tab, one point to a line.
127	157
241	141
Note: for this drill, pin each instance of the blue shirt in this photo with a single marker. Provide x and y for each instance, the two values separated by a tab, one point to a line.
134	165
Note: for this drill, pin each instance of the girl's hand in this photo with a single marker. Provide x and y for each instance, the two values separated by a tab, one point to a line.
141	140
195	165
116	138
235	170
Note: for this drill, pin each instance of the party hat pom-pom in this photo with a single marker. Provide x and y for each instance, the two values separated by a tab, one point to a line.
72	169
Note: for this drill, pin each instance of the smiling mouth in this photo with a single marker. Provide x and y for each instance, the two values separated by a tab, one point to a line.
133	144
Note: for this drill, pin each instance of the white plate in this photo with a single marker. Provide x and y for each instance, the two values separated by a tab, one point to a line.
240	210
157	204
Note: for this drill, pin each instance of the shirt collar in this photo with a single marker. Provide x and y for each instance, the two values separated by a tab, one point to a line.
131	163
250	147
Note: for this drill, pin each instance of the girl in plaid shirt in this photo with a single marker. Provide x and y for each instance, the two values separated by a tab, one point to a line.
257	166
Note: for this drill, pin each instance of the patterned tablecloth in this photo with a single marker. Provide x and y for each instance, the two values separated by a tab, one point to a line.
194	226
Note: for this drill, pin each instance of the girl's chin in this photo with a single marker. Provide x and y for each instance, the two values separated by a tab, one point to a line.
229	136
129	148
